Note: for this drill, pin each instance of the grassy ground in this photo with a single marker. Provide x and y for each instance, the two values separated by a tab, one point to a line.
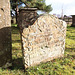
60	66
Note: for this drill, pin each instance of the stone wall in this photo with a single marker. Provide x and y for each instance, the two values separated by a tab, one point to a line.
5	34
42	40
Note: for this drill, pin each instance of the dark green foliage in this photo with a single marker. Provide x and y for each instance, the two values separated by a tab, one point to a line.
40	4
14	3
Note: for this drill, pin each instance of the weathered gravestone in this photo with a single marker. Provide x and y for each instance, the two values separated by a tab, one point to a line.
43	37
5	34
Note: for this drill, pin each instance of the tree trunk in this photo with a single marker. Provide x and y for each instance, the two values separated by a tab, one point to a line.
17	14
73	21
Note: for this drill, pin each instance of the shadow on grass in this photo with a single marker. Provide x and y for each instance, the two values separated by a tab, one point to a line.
16	41
70	49
70	27
71	37
71	53
17	64
15	30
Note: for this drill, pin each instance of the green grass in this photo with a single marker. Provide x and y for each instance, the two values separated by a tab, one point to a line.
14	25
60	66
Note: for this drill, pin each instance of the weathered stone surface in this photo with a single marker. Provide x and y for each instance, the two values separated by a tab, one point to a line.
43	40
5	34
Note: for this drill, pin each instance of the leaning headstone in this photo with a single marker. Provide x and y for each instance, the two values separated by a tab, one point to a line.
5	34
43	37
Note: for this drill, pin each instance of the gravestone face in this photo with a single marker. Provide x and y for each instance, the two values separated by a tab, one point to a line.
5	34
43	39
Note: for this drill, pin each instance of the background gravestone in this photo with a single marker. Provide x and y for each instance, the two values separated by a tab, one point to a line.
5	34
73	21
